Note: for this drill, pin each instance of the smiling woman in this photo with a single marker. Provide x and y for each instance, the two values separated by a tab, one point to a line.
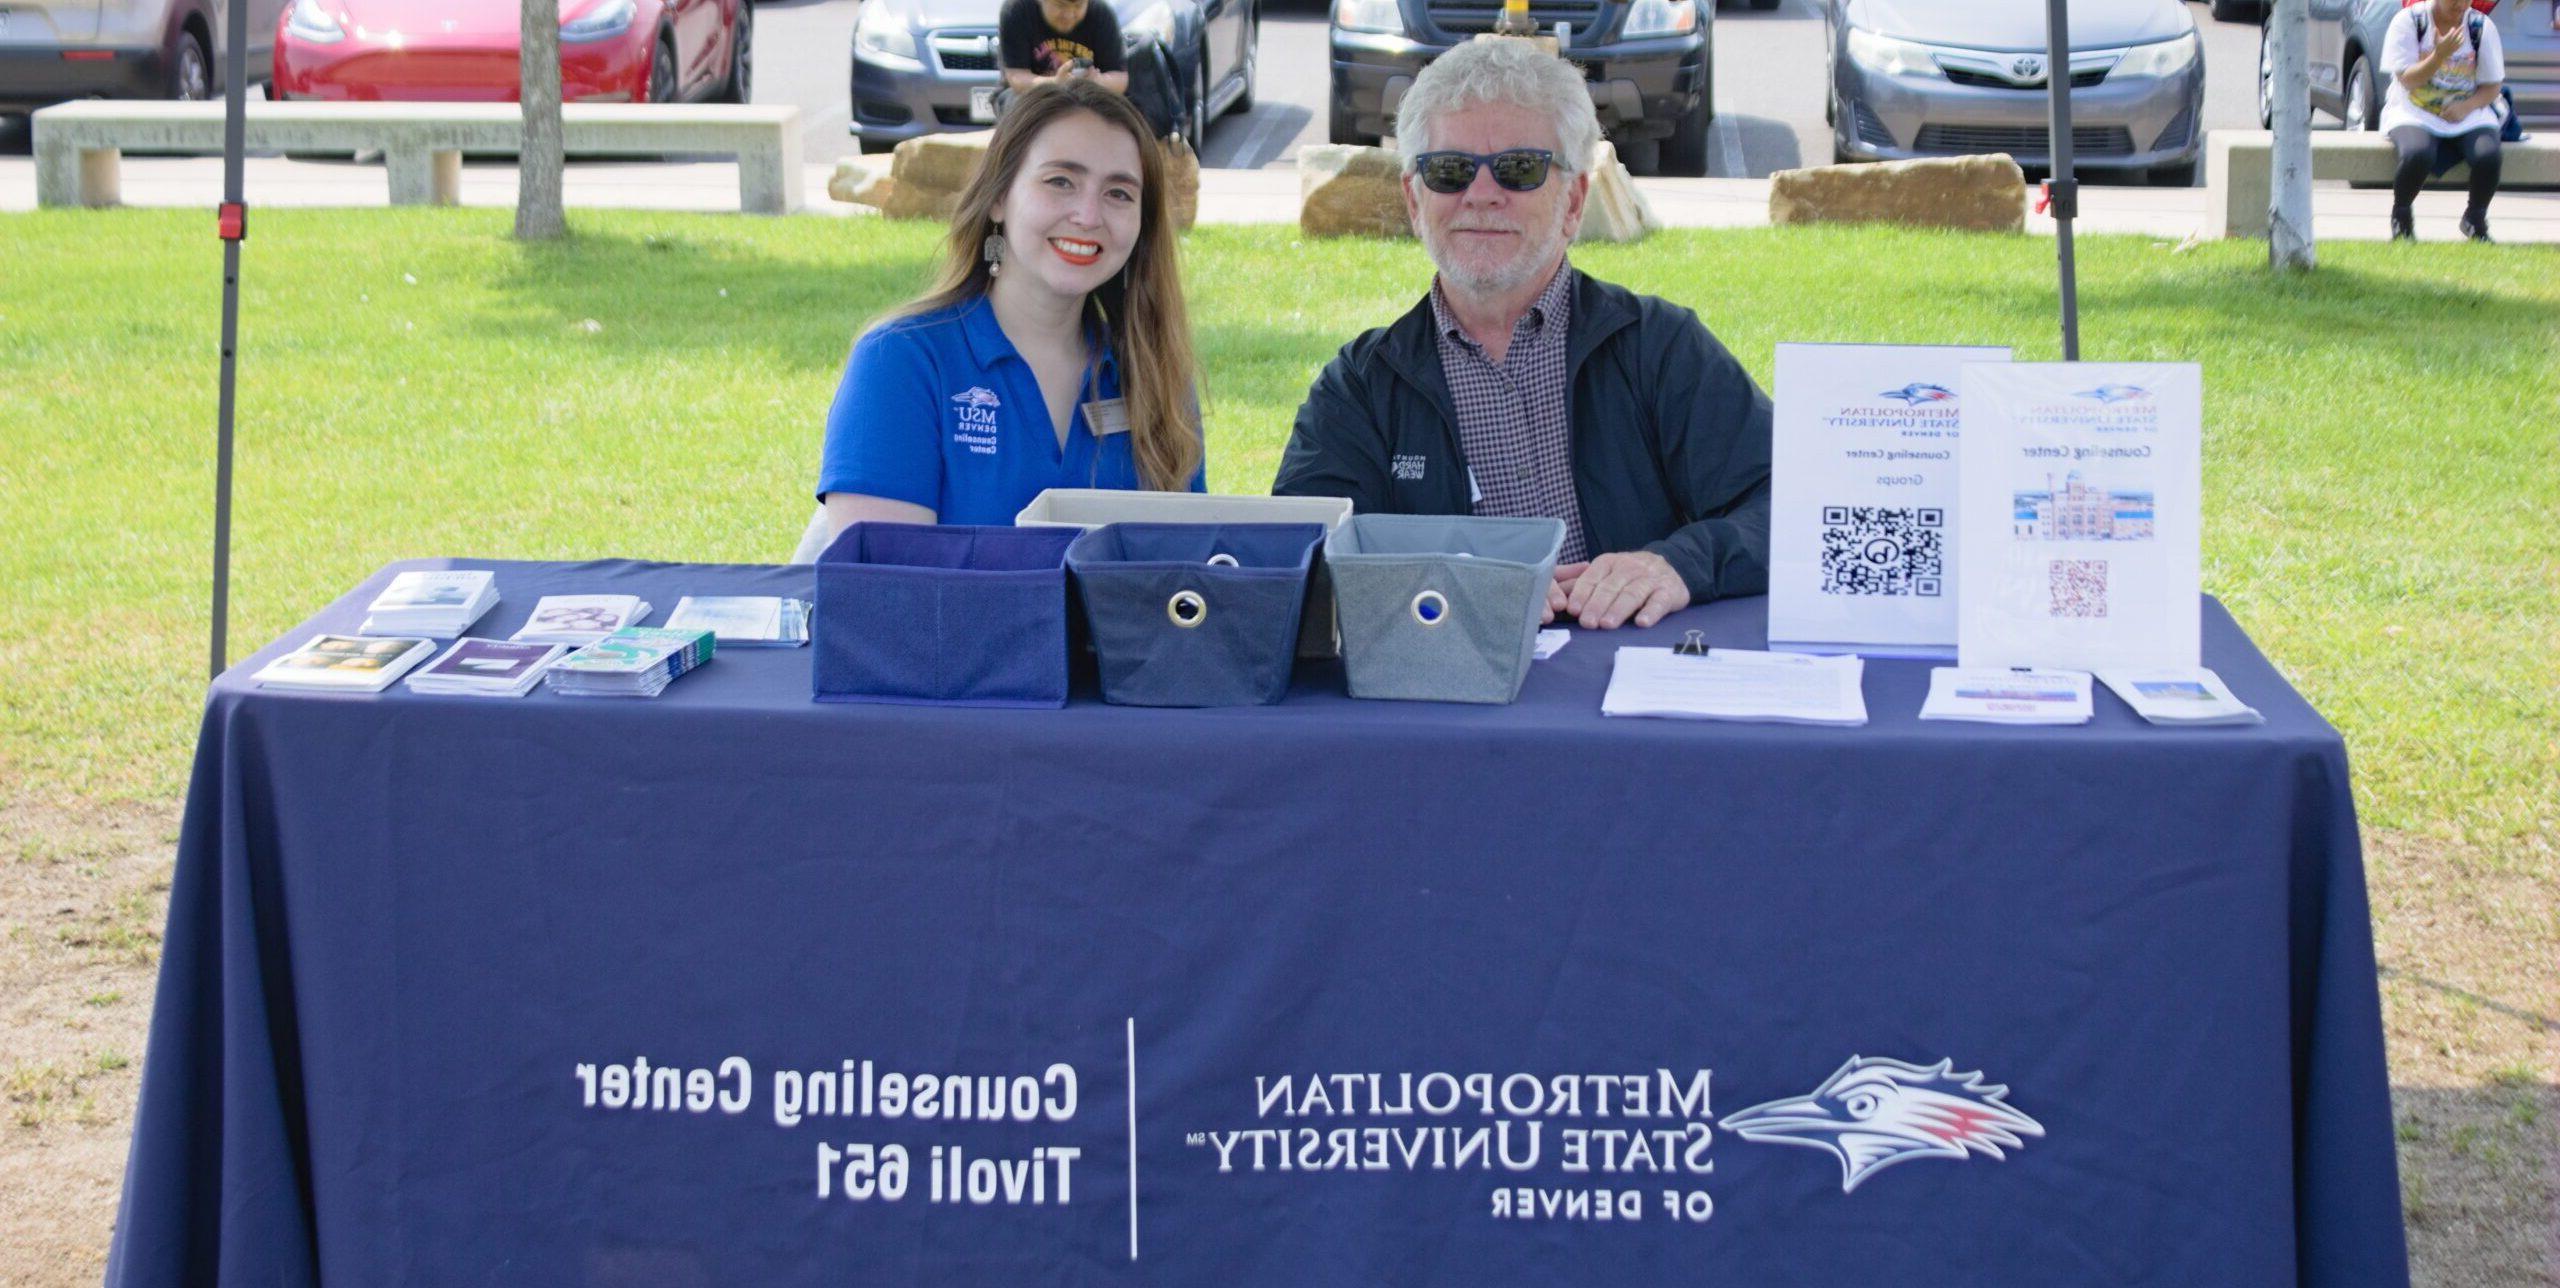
1052	352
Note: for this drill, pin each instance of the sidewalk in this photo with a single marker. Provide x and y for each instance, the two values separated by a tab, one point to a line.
1269	196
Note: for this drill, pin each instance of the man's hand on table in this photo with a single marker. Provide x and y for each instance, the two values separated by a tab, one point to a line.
1606	592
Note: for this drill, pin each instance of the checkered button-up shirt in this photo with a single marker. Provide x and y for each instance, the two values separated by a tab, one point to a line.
1513	415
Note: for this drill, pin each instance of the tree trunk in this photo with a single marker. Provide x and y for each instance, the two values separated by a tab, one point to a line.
538	213
2289	245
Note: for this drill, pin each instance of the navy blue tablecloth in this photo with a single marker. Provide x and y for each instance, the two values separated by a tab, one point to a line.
1326	992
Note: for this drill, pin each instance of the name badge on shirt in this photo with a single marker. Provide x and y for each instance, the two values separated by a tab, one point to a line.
1107	416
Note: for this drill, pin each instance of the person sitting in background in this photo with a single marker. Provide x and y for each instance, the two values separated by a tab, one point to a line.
1038	40
2440	107
1519	386
1053	351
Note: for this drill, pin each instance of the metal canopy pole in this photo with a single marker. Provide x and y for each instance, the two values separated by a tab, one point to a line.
231	224
2065	189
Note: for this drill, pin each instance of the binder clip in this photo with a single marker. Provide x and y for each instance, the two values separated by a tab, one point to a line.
1692	644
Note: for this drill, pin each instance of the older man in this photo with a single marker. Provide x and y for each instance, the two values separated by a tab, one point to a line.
1522	387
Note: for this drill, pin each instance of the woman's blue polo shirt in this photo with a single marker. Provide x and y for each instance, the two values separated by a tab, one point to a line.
939	410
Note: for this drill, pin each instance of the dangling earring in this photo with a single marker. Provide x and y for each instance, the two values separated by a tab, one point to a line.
992	251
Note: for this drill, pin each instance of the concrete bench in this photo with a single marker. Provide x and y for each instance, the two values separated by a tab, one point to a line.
79	146
2238	165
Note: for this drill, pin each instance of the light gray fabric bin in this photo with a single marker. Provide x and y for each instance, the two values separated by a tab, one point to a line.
1440	608
1090	508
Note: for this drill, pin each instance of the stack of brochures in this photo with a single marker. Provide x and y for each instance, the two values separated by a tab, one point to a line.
2005	695
357	663
580	619
441	604
634	662
753	621
487	668
2193	696
1737	684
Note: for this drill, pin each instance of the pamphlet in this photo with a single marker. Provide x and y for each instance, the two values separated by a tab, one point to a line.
2080	515
2192	696
492	668
441	604
1862	529
357	663
755	621
1736	684
1550	642
634	662
580	619
1997	695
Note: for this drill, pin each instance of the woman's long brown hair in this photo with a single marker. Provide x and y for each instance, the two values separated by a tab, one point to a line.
1140	308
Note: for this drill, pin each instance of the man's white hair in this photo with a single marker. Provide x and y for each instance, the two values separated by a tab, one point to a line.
1517	72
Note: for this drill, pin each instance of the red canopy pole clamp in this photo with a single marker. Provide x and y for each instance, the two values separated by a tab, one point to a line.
2044	197
233	221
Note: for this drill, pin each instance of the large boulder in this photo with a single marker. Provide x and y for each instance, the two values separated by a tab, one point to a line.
862	185
1181	182
1614	211
941	162
1348	191
1980	193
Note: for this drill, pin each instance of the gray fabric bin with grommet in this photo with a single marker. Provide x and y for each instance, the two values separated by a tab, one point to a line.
1090	508
1440	608
1194	614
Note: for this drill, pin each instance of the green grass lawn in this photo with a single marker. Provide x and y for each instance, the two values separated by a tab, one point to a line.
2381	473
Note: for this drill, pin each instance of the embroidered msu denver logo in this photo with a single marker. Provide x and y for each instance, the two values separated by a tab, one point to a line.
977	396
2114	393
1875	1112
1916	393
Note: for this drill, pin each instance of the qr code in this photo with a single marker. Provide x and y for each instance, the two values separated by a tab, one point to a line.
1879	550
2079	587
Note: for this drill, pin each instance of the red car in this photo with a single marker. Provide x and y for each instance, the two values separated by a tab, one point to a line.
611	51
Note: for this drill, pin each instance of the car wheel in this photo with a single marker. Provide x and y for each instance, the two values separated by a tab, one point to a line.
742	52
2238	10
1252	57
2364	96
662	73
2266	82
190	67
1685	152
869	146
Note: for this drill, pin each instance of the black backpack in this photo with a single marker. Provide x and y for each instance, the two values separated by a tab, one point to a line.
1155	88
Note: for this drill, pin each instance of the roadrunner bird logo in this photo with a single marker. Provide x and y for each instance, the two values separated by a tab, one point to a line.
977	396
1916	393
1875	1112
2113	394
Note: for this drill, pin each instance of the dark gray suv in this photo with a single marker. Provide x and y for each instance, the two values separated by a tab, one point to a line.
1649	64
55	50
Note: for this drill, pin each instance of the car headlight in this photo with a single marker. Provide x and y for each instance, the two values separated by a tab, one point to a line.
1660	18
1155	21
604	22
2165	58
310	22
881	32
1368	15
1888	56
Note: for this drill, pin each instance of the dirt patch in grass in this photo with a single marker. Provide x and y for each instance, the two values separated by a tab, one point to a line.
2469	945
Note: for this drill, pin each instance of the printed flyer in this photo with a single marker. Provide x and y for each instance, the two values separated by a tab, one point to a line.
1863	498
2081	514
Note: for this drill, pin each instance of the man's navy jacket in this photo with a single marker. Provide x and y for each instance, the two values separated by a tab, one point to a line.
1670	436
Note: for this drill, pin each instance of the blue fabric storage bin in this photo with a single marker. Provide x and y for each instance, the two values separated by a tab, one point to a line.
1440	608
942	615
1172	628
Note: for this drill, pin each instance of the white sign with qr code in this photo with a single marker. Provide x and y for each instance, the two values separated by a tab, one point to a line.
1862	529
2082	515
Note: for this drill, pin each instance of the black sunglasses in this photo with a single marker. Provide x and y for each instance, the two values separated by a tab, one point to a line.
1518	169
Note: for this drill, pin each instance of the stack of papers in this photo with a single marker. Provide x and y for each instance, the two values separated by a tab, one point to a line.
441	604
756	621
2192	696
358	663
2000	695
634	662
1737	684
580	619
490	668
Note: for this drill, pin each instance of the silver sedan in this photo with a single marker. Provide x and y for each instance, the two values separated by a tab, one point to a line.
1920	78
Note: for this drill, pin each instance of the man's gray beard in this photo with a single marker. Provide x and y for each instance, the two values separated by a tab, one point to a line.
1508	278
